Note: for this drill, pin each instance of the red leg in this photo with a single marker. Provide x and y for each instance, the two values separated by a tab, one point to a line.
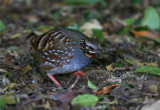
79	73
54	80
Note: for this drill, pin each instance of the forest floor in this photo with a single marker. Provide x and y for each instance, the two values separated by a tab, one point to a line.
110	77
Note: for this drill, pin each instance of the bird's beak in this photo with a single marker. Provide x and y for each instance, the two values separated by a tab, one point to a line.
98	53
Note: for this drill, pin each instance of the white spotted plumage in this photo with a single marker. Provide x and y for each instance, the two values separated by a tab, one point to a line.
60	50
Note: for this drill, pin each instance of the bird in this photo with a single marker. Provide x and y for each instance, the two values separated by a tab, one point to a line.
62	50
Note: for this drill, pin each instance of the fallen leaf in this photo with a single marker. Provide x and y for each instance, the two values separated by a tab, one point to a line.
11	86
149	34
6	72
10	100
134	61
3	90
26	69
64	96
154	89
106	89
148	69
5	81
85	100
138	63
151	18
47	106
137	99
2	102
91	85
2	26
110	67
32	18
15	35
114	79
152	63
88	26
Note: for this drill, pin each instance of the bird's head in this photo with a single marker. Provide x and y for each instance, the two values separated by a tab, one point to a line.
90	47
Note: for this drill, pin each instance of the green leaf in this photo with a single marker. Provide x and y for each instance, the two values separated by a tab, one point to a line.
85	100
157	40
91	85
149	69
91	15
2	102
2	26
129	21
44	27
151	18
125	30
119	65
75	27
99	34
55	15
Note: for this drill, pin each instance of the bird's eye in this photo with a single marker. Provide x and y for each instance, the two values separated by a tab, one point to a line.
91	48
87	48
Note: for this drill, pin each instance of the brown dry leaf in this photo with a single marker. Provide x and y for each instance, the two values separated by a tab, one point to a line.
149	34
124	68
20	34
106	89
88	26
5	71
3	90
44	30
37	78
152	64
137	99
13	53
11	86
64	96
110	67
32	18
154	89
47	105
134	61
138	63
113	39
26	69
15	35
34	85
10	100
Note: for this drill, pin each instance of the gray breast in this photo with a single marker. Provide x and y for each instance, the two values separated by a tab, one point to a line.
78	61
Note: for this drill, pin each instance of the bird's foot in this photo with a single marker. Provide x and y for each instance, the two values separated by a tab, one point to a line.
54	80
79	73
75	82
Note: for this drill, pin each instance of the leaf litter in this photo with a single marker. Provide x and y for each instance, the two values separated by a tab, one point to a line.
111	75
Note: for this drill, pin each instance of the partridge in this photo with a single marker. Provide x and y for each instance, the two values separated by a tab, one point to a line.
61	51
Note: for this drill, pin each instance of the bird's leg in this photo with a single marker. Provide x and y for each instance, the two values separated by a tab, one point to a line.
76	81
79	73
54	80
